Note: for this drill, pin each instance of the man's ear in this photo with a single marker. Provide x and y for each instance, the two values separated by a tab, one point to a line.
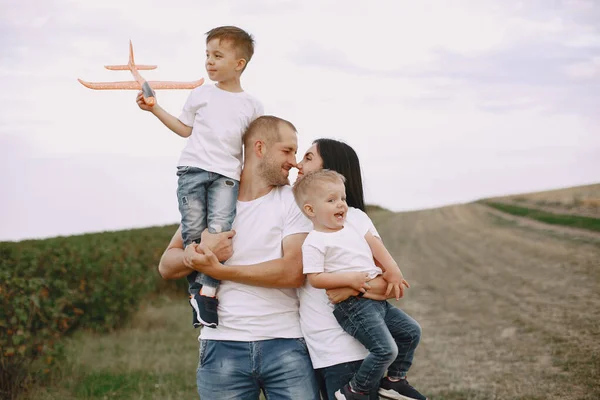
259	148
308	210
241	63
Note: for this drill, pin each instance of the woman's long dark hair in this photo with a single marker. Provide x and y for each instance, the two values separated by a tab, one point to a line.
342	158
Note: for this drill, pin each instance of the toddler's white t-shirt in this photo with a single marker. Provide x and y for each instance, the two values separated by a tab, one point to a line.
328	344
343	251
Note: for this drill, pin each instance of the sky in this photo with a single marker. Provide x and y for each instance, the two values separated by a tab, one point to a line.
445	102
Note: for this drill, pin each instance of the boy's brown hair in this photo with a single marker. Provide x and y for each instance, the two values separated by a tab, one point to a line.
242	41
305	186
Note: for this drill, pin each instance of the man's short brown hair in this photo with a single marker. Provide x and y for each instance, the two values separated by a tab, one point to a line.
266	128
242	41
309	184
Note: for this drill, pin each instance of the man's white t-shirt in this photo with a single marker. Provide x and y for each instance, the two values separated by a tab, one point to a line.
328	344
250	313
218	119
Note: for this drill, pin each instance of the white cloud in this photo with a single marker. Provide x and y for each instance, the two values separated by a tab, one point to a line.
584	70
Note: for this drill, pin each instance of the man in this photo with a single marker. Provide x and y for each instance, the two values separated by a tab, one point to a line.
258	343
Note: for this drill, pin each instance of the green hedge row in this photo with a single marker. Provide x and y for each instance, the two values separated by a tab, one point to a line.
575	221
49	288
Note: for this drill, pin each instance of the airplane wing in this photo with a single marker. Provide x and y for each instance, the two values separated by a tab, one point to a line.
127	67
132	85
175	85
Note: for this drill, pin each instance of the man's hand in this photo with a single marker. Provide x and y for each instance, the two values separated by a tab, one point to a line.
395	281
200	258
221	244
142	104
190	255
340	294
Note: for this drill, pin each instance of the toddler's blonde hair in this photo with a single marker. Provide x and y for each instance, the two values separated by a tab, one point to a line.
313	182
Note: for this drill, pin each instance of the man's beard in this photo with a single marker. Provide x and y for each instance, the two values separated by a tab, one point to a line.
270	171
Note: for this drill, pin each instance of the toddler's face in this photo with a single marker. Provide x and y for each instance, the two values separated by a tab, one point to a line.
222	62
330	207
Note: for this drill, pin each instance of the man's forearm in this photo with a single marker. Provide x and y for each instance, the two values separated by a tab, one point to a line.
279	273
171	264
171	122
284	272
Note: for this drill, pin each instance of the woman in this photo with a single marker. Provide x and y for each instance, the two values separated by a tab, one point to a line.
336	355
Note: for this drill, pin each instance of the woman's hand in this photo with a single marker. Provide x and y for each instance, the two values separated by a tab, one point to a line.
340	294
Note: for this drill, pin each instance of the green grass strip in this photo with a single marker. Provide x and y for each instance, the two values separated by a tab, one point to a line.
574	221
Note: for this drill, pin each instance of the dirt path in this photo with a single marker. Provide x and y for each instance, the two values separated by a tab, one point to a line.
508	311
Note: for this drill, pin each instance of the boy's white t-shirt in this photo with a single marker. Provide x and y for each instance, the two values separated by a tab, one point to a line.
249	313
218	119
328	344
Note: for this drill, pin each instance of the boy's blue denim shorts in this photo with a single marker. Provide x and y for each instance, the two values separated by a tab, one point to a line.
206	200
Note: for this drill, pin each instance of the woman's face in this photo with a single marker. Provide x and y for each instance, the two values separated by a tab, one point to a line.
311	162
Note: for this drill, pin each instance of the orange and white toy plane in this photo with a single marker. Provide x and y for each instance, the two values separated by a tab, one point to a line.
139	83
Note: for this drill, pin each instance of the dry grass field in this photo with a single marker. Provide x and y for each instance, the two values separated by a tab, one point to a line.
509	311
578	200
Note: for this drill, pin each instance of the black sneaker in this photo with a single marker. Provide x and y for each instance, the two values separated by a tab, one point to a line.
204	308
346	393
194	289
400	390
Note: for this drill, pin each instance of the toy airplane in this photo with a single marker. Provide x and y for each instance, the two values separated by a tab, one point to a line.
139	83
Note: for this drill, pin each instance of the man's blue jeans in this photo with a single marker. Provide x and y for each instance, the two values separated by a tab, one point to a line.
206	200
390	335
281	368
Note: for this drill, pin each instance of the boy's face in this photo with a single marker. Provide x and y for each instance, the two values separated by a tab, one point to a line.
222	61
328	207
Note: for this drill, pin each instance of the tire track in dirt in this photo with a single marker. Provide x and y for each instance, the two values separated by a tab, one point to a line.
498	303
